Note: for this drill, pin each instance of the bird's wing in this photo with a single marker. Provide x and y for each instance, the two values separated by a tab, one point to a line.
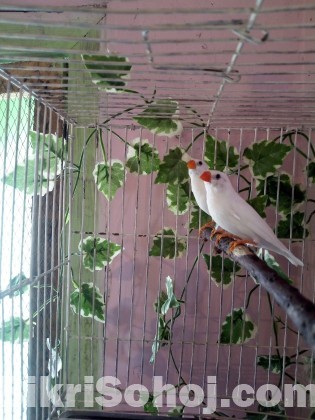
253	224
223	212
235	215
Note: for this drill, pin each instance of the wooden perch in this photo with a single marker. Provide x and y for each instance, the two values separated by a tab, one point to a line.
299	309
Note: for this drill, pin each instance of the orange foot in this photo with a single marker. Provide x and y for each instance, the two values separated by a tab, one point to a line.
205	226
224	234
238	242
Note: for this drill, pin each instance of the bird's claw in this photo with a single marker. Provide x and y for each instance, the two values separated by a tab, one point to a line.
210	225
223	234
239	242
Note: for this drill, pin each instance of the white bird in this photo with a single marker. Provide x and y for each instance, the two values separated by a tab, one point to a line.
198	188
237	217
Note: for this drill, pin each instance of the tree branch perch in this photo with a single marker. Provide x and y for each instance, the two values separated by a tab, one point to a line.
299	309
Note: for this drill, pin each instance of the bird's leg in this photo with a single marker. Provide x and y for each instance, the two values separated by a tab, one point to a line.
210	225
238	242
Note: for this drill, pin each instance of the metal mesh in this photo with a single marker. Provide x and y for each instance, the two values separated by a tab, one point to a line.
242	63
29	250
15	219
241	73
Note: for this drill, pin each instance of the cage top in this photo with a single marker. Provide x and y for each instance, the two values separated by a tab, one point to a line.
208	63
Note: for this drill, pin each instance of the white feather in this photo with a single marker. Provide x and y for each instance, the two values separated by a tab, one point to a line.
237	217
198	186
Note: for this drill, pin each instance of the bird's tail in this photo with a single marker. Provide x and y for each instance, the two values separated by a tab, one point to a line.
292	258
281	249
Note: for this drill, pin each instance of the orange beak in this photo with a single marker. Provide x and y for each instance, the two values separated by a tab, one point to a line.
206	176
191	164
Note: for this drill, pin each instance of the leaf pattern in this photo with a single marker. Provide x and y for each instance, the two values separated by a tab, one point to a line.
237	328
177	198
265	157
219	156
167	245
88	301
109	177
161	118
222	270
108	72
173	169
98	252
142	157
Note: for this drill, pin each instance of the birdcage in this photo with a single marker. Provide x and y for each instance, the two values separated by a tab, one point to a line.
112	302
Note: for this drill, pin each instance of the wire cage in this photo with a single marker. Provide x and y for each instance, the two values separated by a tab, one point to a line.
112	304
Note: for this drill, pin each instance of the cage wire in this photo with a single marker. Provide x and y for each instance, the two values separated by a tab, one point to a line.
103	271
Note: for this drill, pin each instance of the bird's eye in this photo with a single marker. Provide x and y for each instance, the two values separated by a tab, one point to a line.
218	176
200	163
